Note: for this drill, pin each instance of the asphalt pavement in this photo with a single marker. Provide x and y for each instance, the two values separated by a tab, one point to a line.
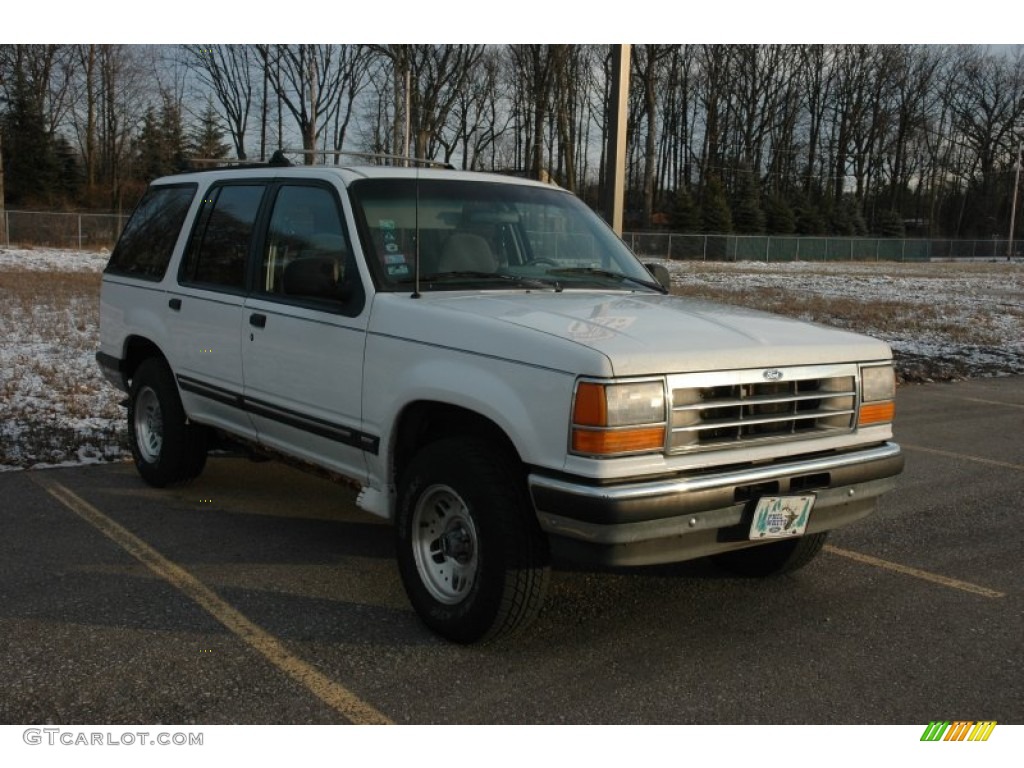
258	594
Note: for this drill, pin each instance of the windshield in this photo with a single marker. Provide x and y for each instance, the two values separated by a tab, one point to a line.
487	235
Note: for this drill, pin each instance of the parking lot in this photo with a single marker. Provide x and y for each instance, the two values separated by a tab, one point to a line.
258	594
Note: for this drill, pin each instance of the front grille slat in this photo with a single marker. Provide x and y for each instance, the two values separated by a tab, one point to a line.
741	407
746	422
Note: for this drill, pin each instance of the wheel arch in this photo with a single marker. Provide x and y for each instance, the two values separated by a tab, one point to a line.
136	350
426	421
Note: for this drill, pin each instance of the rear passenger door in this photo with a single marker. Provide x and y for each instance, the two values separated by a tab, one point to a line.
206	308
304	332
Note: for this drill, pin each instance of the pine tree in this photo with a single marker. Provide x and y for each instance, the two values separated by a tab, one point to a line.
715	216
890	224
172	128
747	216
685	216
30	160
206	140
809	220
779	216
149	146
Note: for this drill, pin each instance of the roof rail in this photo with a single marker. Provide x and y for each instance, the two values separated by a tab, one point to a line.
377	157
279	159
198	164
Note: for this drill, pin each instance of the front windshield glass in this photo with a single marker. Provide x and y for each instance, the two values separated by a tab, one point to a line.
488	235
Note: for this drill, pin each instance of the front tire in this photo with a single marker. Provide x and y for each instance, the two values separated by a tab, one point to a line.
471	555
773	559
167	448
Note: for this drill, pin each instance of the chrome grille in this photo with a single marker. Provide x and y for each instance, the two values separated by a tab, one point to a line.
724	409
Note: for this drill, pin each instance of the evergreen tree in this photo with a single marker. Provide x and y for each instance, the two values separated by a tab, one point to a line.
715	216
71	176
30	161
809	220
685	216
207	138
149	146
890	224
747	216
779	216
161	146
172	128
839	221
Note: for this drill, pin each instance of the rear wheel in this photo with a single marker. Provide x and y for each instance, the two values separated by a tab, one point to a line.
167	448
472	558
773	559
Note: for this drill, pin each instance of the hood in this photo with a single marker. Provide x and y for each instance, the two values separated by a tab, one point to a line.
642	334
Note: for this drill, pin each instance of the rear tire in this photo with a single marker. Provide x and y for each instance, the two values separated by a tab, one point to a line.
472	557
773	559
167	448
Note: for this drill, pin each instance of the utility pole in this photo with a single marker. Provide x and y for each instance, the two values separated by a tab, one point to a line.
1013	205
3	211
615	172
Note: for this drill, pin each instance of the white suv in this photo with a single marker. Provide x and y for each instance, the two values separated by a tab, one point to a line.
496	370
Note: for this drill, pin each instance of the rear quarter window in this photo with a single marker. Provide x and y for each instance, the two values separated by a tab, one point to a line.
147	242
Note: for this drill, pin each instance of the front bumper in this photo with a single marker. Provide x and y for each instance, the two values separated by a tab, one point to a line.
695	516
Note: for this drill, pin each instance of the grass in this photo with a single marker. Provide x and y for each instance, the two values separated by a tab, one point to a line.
55	406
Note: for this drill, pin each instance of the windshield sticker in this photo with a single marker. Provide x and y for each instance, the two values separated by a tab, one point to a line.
398	270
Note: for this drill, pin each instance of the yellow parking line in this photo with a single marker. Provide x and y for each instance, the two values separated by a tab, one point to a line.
964	456
335	696
935	578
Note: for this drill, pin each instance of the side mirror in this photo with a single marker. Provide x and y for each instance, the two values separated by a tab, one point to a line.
660	273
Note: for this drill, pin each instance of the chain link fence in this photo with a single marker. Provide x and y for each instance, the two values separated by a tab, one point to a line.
77	231
97	231
768	248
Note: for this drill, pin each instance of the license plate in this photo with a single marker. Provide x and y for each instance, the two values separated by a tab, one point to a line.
777	517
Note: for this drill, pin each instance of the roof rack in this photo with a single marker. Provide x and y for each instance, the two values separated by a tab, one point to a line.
279	160
378	157
198	164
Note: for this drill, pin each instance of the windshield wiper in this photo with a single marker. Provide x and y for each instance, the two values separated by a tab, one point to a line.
607	273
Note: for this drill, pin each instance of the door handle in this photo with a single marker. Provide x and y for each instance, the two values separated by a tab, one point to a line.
174	304
258	320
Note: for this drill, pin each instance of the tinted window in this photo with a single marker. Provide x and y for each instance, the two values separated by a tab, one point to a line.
220	242
307	256
147	242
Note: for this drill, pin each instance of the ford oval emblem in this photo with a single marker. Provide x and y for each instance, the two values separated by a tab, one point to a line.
772	374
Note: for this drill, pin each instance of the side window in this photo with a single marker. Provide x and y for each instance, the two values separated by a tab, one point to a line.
147	242
219	247
307	256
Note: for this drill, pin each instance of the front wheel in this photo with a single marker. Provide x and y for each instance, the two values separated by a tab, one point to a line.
167	448
773	559
472	558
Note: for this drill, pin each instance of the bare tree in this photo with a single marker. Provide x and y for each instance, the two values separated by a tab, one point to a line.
227	71
305	78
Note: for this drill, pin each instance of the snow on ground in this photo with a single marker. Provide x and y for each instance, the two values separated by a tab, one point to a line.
944	321
52	259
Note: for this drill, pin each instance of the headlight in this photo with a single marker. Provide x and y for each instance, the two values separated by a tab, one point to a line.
877	394
615	419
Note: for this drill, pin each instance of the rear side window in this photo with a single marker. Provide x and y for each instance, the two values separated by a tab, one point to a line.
147	242
219	248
